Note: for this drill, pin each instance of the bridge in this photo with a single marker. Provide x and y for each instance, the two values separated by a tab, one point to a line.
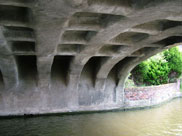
74	55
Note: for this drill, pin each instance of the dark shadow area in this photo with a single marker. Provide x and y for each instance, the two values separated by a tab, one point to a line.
73	36
170	40
91	68
14	13
113	49
159	25
21	46
1	80
13	33
27	68
123	3
60	68
70	48
130	37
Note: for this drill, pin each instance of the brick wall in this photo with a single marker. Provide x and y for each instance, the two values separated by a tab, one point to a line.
151	95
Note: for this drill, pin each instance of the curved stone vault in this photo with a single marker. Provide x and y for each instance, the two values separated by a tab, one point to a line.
74	55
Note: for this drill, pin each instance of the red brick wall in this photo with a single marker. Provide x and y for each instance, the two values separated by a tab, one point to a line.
151	92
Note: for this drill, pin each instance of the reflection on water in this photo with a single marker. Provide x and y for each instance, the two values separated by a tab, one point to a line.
161	121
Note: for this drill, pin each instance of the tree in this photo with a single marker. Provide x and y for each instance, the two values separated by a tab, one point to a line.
139	72
174	58
157	74
160	70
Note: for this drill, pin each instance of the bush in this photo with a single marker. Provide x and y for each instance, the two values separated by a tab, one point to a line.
151	73
159	71
139	73
174	58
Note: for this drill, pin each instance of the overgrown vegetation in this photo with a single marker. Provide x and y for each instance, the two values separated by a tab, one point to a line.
174	59
155	71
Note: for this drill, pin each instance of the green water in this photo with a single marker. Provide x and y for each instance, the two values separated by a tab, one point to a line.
165	120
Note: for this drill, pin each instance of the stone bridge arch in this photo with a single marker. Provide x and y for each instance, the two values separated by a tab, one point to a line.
63	55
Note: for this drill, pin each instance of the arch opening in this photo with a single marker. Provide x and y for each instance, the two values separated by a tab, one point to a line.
113	78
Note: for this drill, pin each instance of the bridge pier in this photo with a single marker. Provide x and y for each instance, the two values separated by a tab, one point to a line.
44	65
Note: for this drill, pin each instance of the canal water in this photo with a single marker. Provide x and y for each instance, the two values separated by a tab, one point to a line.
165	120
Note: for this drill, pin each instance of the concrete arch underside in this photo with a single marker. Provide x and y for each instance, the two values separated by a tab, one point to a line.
74	55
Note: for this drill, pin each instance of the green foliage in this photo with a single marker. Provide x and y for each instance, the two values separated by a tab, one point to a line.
151	73
174	58
139	73
159	71
180	84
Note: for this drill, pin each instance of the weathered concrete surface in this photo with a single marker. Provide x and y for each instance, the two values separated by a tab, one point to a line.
151	95
71	55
